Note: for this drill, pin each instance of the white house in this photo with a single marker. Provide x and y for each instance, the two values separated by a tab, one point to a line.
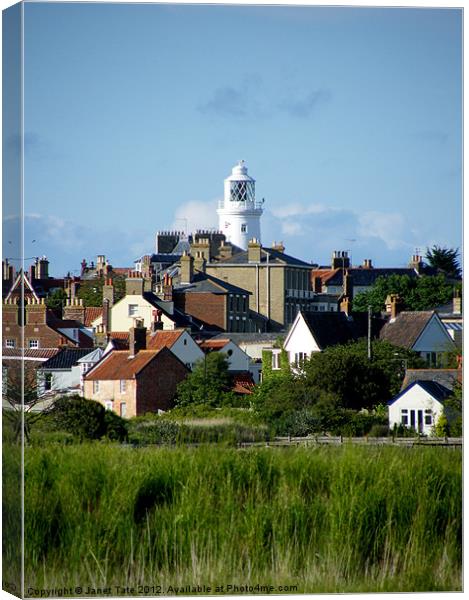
65	370
313	332
418	406
421	331
238	360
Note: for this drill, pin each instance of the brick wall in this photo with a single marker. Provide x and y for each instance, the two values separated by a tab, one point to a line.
157	383
209	308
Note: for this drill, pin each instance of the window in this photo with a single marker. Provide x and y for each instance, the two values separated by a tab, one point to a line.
10	343
185	342
300	358
133	310
108	404
428	417
244	228
47	381
275	360
34	343
404	416
123	386
123	409
95	386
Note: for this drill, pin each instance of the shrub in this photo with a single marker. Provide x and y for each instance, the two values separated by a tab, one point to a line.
83	418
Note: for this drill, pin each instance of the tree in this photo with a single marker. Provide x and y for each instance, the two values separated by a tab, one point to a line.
444	259
420	293
86	419
21	397
91	291
208	383
345	372
56	300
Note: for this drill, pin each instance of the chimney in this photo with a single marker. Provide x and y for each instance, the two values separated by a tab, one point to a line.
42	268
108	292
317	284
367	264
101	264
74	310
340	259
137	338
8	271
10	313
348	285
457	303
393	305
134	284
202	247
167	288
157	323
225	250
83	267
106	316
416	263
199	262
278	246
32	272
254	251
187	268
346	305
36	312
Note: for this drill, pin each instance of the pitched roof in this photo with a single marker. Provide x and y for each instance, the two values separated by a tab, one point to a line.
91	314
118	365
66	358
93	356
163	339
242	383
267	255
248	338
203	282
179	318
332	328
445	377
214	344
367	277
31	353
435	389
406	328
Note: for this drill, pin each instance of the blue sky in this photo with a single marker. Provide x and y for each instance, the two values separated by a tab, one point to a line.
348	118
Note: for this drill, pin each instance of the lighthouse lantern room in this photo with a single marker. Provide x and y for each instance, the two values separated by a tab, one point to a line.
239	214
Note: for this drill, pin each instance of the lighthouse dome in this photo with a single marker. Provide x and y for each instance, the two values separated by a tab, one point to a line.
239	173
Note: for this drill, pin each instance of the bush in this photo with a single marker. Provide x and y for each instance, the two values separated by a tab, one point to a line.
116	427
153	431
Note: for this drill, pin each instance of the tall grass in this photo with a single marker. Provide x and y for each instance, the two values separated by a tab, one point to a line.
325	519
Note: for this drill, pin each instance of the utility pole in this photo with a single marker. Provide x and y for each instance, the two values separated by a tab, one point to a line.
369	332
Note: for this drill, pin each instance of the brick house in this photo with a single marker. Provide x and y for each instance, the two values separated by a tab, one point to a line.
135	381
42	329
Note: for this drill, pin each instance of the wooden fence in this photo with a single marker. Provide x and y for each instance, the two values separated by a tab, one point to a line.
362	441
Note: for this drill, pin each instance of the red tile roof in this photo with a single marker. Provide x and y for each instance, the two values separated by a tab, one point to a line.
119	335
35	353
118	365
91	314
242	383
213	344
163	339
324	274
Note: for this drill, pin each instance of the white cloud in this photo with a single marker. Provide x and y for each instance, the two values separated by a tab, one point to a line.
390	228
196	215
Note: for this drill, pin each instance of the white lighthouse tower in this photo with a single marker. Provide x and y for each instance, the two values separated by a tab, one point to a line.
239	214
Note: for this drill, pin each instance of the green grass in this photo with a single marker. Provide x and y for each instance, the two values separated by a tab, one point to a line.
325	519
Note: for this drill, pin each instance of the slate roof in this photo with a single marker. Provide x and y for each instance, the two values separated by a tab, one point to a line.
248	338
93	356
177	316
66	358
445	377
406	328
435	389
332	328
163	339
203	282
274	257
366	277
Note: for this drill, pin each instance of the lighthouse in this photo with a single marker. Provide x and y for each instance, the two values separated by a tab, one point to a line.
239	214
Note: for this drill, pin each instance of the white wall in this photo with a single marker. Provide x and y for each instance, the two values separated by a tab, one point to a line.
416	398
434	338
187	350
121	321
300	340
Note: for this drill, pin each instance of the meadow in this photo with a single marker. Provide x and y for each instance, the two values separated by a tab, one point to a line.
346	519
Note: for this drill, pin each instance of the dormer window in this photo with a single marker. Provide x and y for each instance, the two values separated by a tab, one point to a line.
244	228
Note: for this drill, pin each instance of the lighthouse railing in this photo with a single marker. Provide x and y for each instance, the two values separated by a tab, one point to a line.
257	204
